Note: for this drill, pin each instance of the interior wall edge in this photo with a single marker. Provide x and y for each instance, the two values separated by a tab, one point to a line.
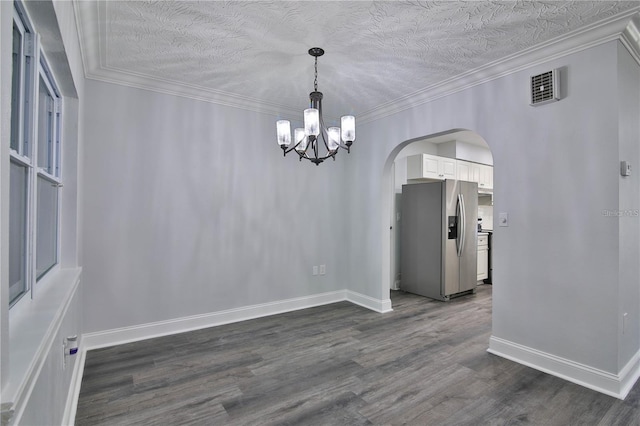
616	385
71	405
381	306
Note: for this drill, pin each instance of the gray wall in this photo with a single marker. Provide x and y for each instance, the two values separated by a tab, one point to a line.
190	208
556	286
629	202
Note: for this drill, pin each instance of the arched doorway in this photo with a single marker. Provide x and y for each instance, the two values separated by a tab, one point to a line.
459	145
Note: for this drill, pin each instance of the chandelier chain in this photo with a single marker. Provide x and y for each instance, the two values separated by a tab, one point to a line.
315	81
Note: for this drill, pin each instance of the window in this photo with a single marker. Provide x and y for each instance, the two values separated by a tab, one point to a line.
34	179
18	178
16	86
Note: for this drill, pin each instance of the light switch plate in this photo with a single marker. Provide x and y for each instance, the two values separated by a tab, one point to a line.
503	219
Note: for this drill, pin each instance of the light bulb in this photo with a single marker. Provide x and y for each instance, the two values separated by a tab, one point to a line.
283	130
348	126
334	138
311	122
300	136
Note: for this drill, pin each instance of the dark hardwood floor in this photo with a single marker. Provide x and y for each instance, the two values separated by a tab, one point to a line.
423	364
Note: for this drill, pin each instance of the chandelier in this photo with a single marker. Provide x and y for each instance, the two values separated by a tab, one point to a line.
308	140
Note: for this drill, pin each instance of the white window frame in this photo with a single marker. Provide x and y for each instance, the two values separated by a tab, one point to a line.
35	67
54	178
25	136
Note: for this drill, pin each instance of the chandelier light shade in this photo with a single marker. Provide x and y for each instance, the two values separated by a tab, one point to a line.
315	142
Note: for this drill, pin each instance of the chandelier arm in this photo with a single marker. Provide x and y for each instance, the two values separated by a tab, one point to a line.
315	159
316	142
323	130
288	150
305	153
329	155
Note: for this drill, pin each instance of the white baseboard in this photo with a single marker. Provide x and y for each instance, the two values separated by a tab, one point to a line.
629	375
69	416
616	385
179	325
378	305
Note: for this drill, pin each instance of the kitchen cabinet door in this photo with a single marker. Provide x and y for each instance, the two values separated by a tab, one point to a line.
463	169
483	256
483	262
468	171
447	168
486	177
431	167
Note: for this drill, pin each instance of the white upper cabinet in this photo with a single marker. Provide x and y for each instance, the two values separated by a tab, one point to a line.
432	167
469	172
486	177
425	166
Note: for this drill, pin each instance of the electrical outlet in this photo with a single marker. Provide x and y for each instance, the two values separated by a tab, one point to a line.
323	269
315	269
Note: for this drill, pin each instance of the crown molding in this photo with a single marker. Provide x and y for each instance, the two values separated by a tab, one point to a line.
630	37
89	14
622	27
140	81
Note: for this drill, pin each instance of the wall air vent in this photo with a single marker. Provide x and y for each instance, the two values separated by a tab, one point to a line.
545	88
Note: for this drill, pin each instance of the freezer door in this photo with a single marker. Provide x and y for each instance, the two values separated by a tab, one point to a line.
468	192
450	260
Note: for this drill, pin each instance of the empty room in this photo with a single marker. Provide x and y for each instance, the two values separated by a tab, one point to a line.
319	212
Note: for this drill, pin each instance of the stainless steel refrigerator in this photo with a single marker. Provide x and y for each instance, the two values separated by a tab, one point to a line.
438	238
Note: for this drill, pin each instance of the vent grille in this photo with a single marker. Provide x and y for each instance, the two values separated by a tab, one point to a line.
544	88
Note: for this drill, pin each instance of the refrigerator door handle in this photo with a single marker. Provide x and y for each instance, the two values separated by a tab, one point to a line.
459	226
462	228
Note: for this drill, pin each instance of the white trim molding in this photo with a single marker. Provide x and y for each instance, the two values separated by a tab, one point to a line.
379	305
623	27
33	331
630	37
593	35
616	385
71	406
179	325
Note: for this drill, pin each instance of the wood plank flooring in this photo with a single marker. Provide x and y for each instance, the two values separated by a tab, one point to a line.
423	364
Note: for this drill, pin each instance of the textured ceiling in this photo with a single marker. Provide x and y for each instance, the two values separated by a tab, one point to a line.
376	52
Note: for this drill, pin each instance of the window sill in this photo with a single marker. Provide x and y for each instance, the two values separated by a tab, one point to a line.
32	330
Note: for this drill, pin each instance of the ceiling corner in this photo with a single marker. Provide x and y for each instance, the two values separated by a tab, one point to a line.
630	37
